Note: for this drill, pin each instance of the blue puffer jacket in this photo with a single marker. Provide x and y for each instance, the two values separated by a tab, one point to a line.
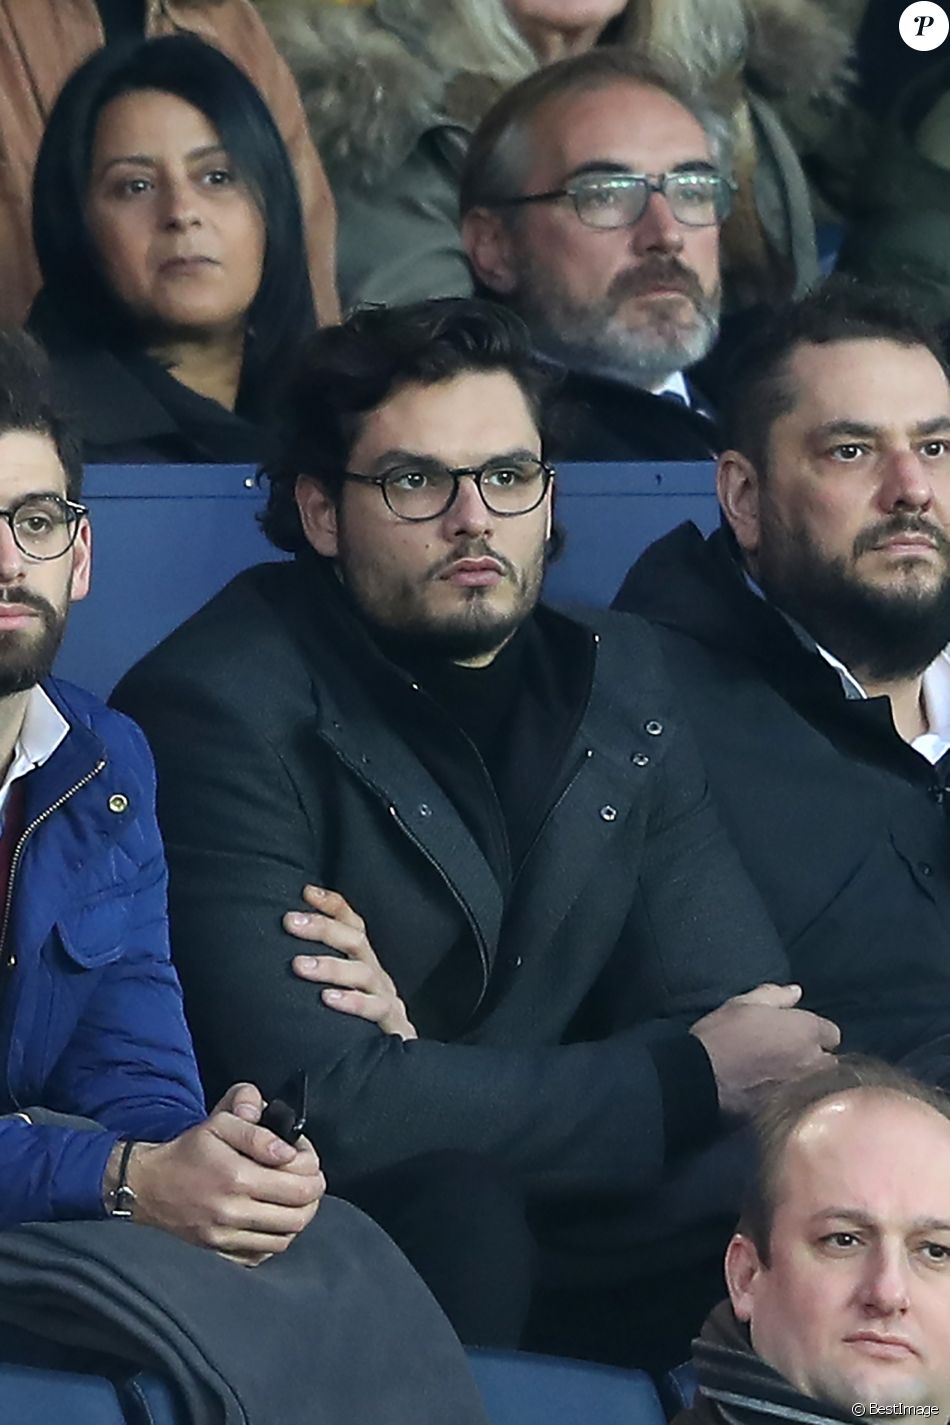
91	1018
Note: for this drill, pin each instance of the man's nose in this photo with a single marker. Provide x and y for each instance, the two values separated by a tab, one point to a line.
886	1287
12	558
658	229
906	483
468	513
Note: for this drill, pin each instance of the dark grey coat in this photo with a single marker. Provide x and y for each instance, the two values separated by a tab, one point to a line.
276	768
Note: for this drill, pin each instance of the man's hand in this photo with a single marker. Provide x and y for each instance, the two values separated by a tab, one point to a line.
759	1039
357	984
228	1183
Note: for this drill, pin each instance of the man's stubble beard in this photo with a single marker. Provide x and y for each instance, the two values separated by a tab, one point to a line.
25	660
596	339
883	633
474	630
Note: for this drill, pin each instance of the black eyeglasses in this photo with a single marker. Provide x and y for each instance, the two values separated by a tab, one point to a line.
44	526
698	198
427	488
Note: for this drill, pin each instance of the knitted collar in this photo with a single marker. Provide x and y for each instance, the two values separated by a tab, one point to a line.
738	1388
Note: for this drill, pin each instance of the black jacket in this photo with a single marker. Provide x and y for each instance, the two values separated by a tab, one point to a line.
600	419
128	410
551	1012
842	825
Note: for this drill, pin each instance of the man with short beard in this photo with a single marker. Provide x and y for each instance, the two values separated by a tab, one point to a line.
808	638
485	818
83	935
592	199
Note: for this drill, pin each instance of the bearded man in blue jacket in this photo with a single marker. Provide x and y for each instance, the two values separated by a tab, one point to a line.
91	1021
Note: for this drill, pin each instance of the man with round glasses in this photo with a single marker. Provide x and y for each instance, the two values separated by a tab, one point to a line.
515	897
83	938
592	200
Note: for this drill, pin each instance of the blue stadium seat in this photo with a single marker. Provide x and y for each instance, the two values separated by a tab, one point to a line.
678	1389
523	1389
31	1396
42	1383
168	537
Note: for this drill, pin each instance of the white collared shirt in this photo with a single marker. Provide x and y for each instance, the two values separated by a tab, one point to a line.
935	742
675	385
44	728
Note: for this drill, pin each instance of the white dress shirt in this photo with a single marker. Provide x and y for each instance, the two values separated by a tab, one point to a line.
44	728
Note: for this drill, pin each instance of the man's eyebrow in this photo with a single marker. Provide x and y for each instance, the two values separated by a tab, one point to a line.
400	456
932	426
147	160
831	429
857	1218
931	1224
864	430
32	495
844	1214
610	168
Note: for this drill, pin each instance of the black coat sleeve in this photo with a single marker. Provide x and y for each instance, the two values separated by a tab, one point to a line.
241	844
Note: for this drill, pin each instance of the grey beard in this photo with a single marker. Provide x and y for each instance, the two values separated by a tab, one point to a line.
643	359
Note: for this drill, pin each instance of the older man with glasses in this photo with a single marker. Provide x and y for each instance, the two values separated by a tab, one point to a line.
592	200
485	822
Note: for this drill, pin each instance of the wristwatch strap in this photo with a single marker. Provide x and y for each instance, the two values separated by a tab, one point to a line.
123	1197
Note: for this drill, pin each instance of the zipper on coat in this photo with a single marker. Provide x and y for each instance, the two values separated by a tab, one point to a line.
8	963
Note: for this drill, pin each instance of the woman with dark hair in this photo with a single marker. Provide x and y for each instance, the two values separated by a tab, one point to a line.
43	41
166	221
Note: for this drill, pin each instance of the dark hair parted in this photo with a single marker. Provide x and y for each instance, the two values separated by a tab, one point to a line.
347	371
498	157
28	403
759	389
75	290
789	1106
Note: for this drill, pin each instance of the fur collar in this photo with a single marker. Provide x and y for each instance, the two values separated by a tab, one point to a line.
798	45
367	95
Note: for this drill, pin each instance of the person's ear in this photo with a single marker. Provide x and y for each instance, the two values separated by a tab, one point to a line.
318	515
743	1267
488	246
81	555
738	488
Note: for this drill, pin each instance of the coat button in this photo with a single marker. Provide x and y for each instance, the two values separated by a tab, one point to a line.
425	809
608	813
519	961
653	727
118	803
925	868
639	759
11	962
